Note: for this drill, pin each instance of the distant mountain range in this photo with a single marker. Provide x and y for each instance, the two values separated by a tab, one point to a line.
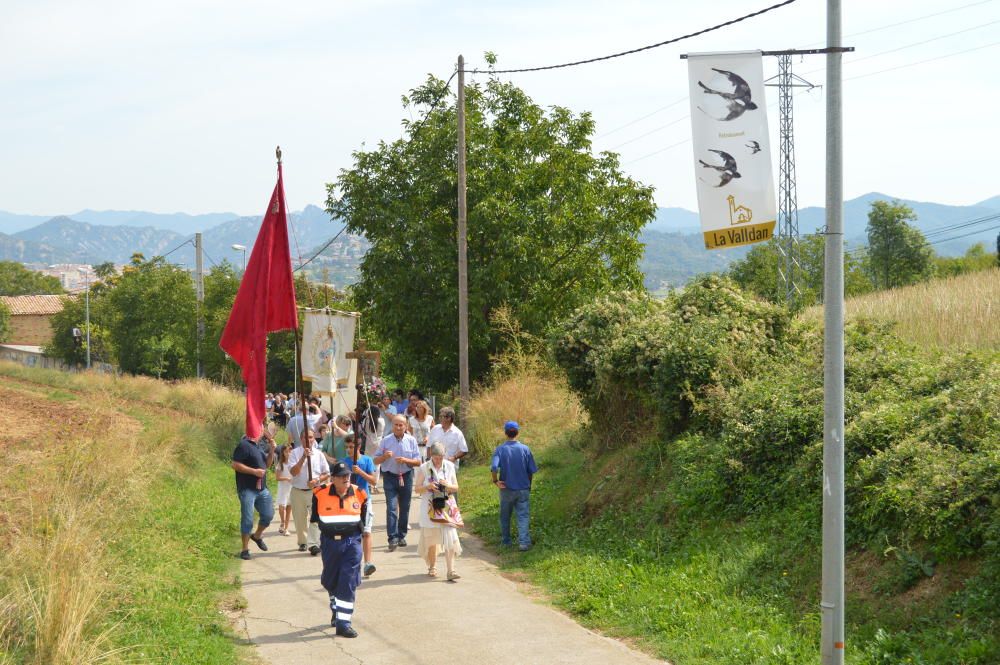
674	248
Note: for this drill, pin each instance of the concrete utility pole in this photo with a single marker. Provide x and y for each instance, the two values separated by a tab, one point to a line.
832	603
199	288
463	269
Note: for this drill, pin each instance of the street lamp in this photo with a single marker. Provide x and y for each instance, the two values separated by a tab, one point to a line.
242	248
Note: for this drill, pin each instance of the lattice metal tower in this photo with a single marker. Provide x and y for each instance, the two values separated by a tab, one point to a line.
788	212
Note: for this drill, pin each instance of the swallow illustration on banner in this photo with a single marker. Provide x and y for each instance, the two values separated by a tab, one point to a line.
738	101
727	171
754	147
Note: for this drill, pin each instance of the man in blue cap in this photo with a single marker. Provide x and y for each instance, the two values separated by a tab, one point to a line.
512	467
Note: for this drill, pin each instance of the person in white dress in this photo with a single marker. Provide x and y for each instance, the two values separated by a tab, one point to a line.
373	437
435	477
420	424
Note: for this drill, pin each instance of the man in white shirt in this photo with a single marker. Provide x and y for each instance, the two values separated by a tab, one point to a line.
309	468
448	434
294	426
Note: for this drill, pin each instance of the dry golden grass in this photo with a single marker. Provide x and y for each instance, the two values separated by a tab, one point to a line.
529	393
960	312
56	578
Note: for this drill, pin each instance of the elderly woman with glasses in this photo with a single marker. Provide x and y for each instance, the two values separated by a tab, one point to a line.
436	480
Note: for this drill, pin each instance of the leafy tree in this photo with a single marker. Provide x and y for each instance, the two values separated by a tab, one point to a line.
898	253
221	284
550	224
975	259
152	319
4	322
105	271
758	272
16	280
62	345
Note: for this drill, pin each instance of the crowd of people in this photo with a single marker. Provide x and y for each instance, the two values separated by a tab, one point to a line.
329	466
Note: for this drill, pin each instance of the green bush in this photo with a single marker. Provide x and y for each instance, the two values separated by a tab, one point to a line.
626	352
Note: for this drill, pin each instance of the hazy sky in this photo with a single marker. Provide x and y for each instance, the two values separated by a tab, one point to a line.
177	106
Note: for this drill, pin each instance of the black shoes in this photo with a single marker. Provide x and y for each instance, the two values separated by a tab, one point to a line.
260	543
314	550
369	569
245	555
401	542
392	545
346	632
302	547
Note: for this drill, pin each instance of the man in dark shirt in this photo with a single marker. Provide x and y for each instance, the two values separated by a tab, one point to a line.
251	460
512	468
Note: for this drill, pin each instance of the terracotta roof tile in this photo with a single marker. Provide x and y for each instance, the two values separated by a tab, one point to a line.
32	304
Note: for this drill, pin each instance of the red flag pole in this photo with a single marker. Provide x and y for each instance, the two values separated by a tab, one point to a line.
265	302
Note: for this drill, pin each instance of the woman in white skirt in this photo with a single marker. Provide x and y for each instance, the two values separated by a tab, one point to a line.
436	478
284	474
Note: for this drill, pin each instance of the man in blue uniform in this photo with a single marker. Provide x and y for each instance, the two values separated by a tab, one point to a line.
512	467
340	510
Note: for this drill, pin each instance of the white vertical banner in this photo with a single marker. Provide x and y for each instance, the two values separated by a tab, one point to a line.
732	153
326	339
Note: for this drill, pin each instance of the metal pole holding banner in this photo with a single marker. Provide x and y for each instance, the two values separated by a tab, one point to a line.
832	603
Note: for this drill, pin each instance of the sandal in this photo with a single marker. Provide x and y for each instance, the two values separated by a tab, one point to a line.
432	572
452	576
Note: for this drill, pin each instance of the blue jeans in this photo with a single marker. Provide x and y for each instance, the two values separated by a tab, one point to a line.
397	518
259	499
518	502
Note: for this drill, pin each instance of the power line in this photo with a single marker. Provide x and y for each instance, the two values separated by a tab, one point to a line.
863	32
902	48
635	50
921	62
652	131
163	256
914	20
962	225
321	249
648	115
209	257
944	230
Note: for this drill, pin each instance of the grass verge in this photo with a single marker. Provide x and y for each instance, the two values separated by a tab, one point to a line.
713	591
120	523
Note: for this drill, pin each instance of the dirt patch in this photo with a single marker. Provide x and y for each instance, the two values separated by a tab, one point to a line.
33	419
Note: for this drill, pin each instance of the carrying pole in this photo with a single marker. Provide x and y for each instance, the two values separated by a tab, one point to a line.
463	268
832	603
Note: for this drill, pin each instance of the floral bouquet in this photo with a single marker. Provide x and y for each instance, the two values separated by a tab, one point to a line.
376	390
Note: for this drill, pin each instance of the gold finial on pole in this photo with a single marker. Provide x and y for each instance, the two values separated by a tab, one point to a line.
277	153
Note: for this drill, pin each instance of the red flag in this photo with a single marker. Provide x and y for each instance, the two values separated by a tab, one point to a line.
265	303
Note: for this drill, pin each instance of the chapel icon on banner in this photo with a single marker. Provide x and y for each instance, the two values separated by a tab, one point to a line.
738	214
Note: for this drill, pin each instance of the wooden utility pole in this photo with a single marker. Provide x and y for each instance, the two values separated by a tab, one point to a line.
463	269
199	288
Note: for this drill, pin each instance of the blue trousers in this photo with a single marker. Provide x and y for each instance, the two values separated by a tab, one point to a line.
259	499
517	502
397	518
341	574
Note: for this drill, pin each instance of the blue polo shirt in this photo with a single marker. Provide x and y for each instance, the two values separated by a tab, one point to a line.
400	406
515	464
248	452
367	465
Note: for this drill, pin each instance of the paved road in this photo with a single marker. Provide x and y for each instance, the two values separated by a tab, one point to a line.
405	617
